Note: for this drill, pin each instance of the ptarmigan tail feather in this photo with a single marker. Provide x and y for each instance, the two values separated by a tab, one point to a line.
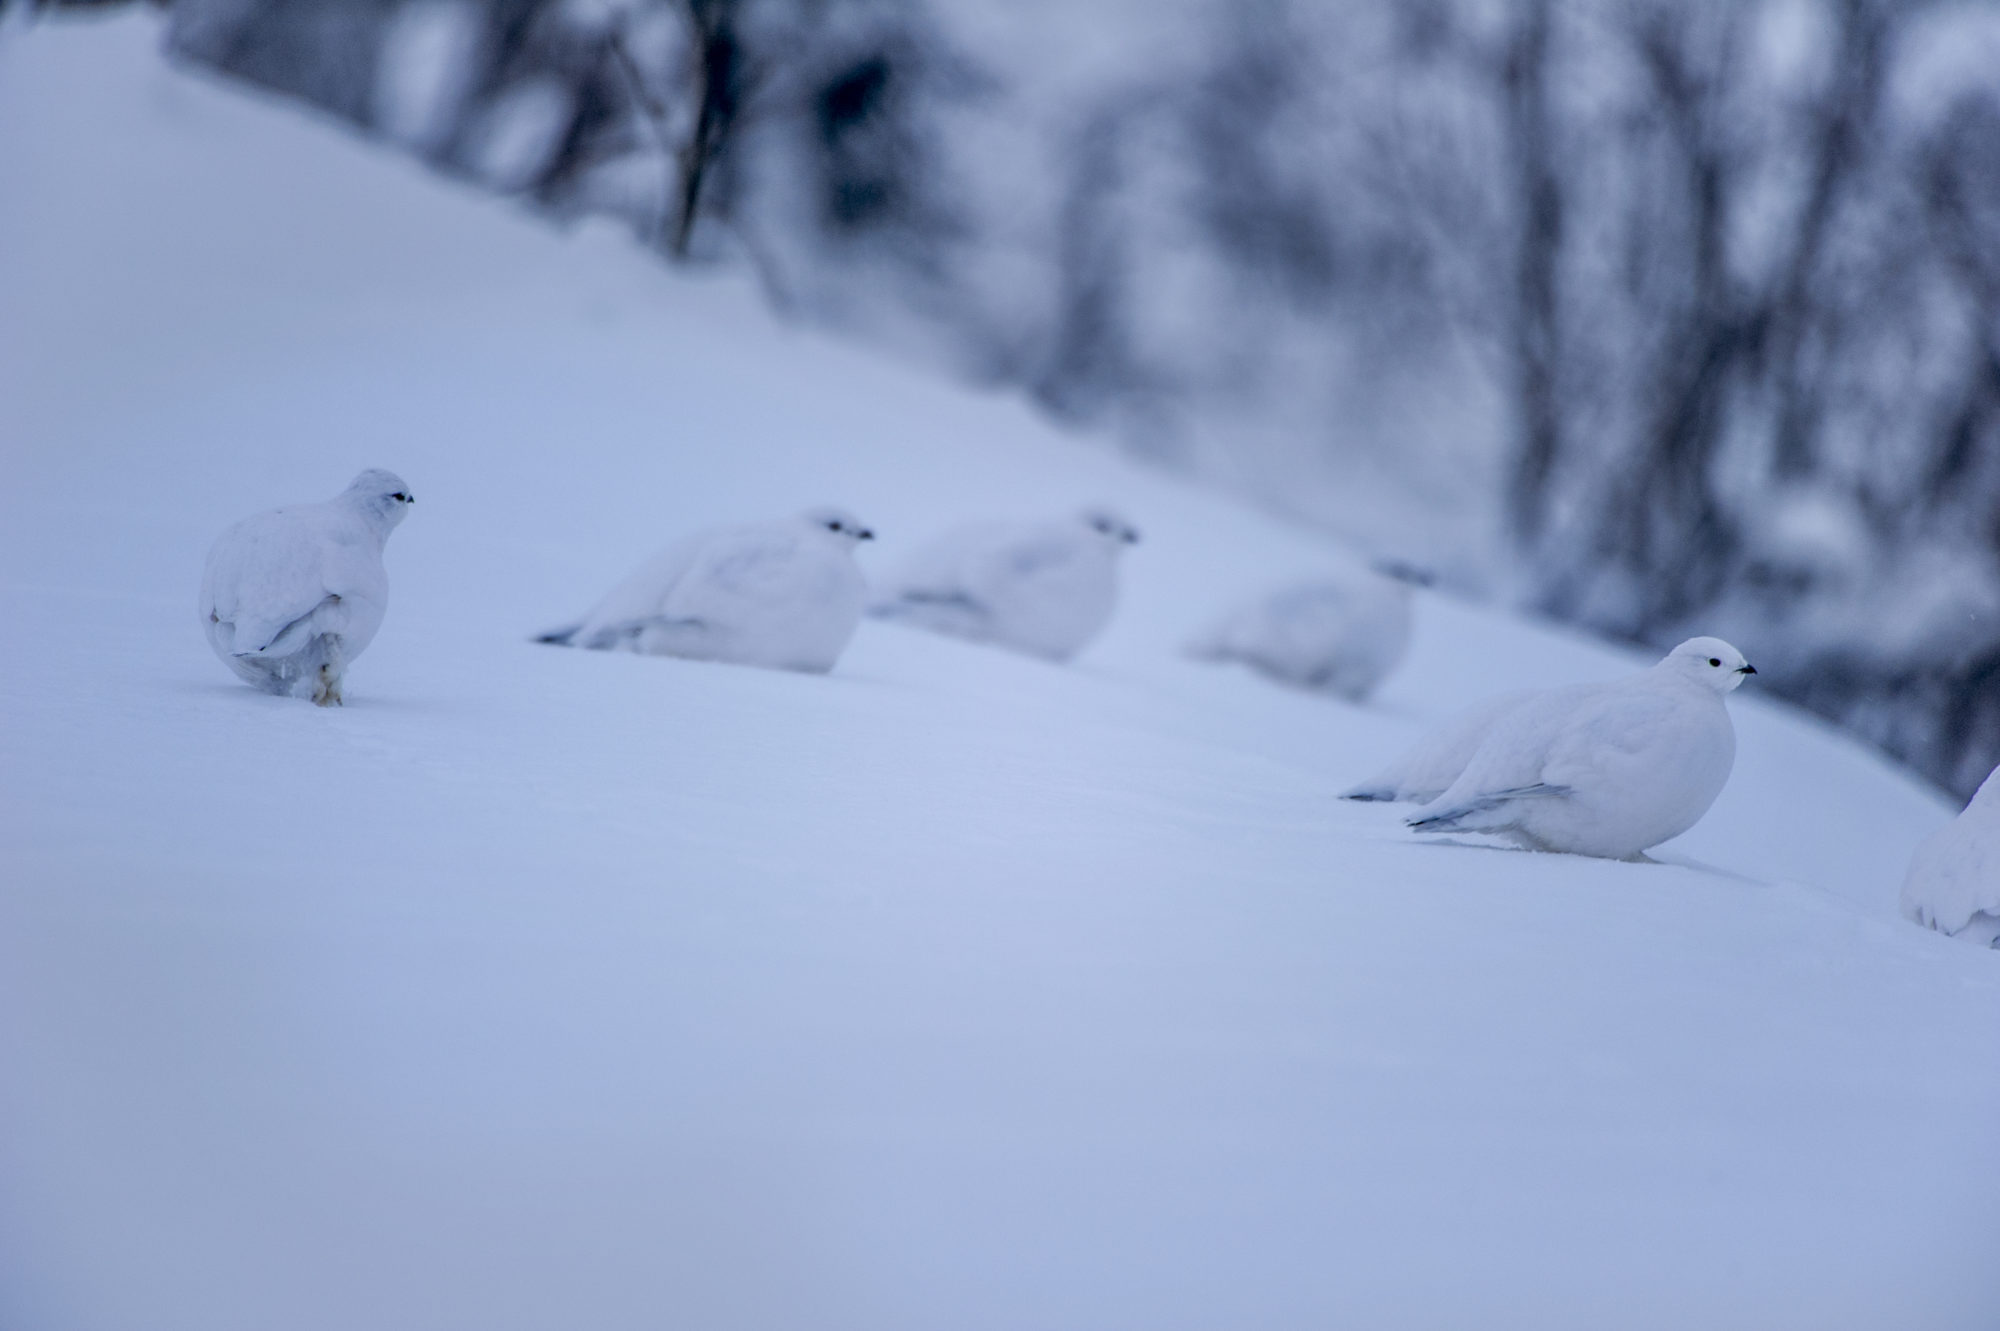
1387	788
672	637
1446	820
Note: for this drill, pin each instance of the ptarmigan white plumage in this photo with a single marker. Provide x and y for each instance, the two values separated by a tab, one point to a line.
1953	884
290	597
1603	769
1427	769
1339	633
785	595
1045	589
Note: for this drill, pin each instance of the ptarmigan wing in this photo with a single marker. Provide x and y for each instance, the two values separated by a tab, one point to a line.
636	601
266	575
1428	768
748	565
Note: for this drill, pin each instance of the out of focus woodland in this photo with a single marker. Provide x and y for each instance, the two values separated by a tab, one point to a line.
1653	316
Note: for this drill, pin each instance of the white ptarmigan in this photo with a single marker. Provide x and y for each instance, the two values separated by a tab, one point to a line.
1045	589
1603	769
1338	633
785	595
1953	884
290	597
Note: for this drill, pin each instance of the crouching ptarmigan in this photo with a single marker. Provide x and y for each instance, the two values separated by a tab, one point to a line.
1954	881
1339	633
292	596
786	595
1602	769
1044	588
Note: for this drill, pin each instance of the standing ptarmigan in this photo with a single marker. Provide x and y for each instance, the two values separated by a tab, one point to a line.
290	597
1045	589
1603	769
1339	633
1953	884
785	595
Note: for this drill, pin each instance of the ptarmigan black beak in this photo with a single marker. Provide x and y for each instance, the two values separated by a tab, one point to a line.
1746	669
864	534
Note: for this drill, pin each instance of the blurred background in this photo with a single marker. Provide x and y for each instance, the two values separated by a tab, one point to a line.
1654	317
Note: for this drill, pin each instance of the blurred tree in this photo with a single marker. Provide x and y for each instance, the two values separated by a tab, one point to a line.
1748	318
717	78
32	5
548	99
1718	279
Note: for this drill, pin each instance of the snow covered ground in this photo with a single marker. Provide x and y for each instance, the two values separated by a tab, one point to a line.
547	989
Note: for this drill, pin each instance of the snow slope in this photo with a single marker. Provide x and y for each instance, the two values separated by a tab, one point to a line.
552	989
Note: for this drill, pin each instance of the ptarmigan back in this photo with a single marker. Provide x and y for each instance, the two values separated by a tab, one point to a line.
1046	589
1339	633
1427	768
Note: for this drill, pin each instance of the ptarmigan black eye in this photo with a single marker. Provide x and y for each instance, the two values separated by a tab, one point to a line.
1715	660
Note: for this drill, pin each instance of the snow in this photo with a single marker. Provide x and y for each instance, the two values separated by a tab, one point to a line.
952	989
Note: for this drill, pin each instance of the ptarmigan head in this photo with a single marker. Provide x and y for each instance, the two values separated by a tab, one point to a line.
1109	526
382	495
1711	662
838	524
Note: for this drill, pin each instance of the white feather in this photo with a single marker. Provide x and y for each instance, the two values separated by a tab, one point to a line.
1602	769
1953	884
1427	769
1046	589
1340	633
785	595
291	597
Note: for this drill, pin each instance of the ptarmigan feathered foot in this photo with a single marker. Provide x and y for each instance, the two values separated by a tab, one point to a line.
326	688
